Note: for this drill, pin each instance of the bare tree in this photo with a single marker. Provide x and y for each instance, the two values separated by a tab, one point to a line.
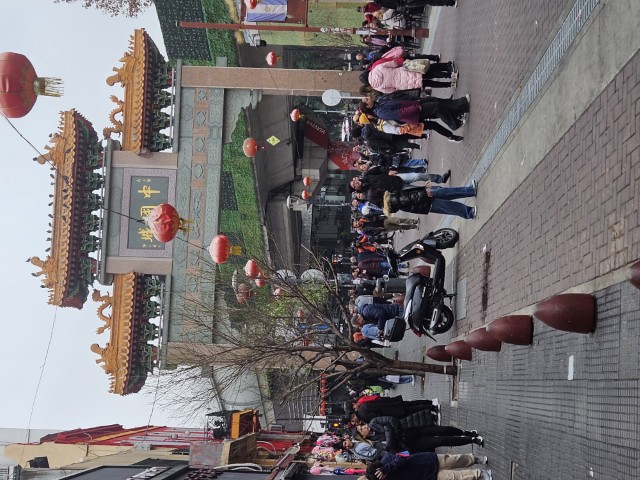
287	325
129	8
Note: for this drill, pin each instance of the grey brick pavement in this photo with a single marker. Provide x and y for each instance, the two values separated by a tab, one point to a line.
572	220
529	412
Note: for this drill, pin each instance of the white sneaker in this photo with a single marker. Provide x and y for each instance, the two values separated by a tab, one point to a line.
481	459
474	184
435	402
485	475
413	379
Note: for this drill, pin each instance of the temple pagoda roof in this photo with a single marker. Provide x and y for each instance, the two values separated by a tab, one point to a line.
74	154
145	75
127	357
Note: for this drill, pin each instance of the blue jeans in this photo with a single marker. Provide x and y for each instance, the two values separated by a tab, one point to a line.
414	162
370	331
441	201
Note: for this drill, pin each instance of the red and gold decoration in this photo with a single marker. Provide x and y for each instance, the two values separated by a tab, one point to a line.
306	195
128	356
250	147
165	222
145	75
306	181
272	58
20	85
69	269
252	269
295	115
220	248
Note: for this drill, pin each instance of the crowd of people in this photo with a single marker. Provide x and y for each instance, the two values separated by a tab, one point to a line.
398	438
395	438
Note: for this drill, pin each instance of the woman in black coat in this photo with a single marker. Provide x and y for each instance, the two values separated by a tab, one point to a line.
418	438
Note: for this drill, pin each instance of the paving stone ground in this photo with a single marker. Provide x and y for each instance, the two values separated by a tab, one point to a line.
572	220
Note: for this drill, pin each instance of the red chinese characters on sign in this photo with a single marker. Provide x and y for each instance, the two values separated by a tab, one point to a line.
341	155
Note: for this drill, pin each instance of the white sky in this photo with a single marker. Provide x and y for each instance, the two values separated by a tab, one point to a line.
81	47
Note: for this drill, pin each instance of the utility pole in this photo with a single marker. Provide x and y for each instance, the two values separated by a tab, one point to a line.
405	32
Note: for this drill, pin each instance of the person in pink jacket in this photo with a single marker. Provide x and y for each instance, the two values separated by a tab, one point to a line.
387	75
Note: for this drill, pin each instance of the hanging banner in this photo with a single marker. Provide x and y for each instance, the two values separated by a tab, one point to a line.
268	11
316	133
341	154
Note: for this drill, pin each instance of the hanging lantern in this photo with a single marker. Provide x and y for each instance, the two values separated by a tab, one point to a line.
300	313
278	292
295	115
220	248
164	222
306	181
20	85
244	293
272	58
250	147
306	195
252	269
260	280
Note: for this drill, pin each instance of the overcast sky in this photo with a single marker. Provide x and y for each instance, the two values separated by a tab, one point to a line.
81	47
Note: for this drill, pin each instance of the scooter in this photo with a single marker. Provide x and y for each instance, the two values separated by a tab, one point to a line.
425	311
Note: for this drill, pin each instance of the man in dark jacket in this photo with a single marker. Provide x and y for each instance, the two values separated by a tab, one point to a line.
377	313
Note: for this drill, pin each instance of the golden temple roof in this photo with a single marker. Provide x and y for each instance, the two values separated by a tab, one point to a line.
63	267
127	356
138	75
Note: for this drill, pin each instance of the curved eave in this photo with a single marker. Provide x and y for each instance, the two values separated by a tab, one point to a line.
127	333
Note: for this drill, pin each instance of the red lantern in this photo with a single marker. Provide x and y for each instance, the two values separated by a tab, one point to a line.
306	195
250	147
278	291
220	248
252	269
300	313
251	4
295	115
244	293
260	281
20	85
306	181
272	58
165	222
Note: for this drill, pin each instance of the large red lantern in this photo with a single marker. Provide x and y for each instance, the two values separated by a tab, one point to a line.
272	58
220	248
306	181
164	222
295	115
252	269
306	195
250	147
20	85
